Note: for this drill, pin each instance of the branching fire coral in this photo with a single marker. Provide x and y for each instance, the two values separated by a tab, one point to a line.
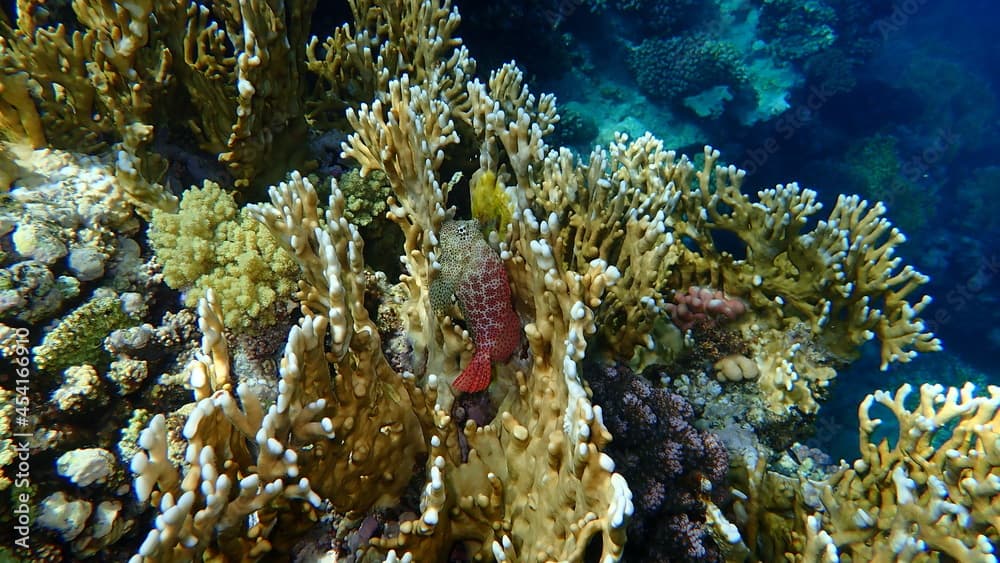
926	492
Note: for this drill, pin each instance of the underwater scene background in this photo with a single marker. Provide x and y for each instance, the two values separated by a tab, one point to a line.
535	280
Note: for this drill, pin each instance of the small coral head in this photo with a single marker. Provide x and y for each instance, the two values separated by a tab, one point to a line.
701	304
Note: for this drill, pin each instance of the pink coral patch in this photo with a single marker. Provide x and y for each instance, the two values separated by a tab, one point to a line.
702	304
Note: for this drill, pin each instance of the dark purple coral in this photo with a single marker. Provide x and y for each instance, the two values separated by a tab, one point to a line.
664	458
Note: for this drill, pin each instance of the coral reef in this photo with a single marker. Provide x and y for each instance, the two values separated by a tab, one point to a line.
678	67
65	224
569	277
347	435
928	494
797	29
748	61
462	501
884	175
663	17
88	86
976	189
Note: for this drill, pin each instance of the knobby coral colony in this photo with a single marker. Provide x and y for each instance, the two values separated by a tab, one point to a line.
367	433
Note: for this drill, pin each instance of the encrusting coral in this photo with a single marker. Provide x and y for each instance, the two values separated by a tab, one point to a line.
78	336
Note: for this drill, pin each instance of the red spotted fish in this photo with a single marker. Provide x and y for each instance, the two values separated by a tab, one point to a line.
472	272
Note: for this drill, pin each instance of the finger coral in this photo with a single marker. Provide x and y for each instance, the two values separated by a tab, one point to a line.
926	492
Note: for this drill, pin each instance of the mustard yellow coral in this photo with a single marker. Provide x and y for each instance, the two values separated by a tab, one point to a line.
491	205
930	494
210	243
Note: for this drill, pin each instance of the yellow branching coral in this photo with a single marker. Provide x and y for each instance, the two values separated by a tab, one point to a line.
19	120
613	209
388	40
933	492
344	418
87	86
927	492
405	137
792	369
372	409
81	80
204	507
652	214
242	65
840	277
233	73
535	484
830	288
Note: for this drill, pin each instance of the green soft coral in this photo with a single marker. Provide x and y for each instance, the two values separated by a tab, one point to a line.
211	243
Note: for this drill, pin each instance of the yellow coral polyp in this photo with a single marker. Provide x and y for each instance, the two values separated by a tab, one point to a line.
490	204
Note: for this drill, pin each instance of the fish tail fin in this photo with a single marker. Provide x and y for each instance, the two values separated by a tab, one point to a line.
476	376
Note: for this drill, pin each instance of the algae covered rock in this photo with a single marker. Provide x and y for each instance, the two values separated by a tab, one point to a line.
78	338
